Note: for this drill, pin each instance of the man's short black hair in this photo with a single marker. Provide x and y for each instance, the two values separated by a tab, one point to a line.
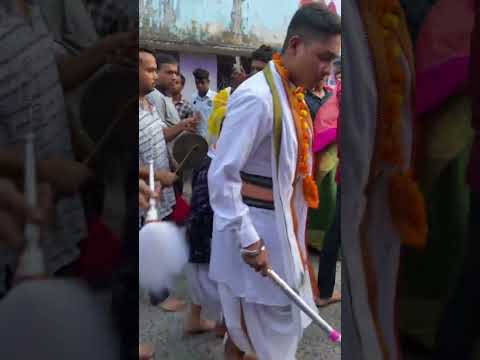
165	59
182	79
264	53
313	21
201	74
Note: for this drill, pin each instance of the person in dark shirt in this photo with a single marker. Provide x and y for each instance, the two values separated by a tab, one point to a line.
326	218
317	97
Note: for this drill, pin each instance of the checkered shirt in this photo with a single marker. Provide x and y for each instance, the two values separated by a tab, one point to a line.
184	109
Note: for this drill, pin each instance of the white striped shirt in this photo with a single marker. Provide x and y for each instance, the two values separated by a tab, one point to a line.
29	74
152	144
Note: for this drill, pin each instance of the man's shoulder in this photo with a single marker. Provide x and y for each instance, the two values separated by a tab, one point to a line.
256	87
157	99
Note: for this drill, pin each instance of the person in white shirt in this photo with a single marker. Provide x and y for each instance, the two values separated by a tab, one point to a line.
261	186
202	100
31	78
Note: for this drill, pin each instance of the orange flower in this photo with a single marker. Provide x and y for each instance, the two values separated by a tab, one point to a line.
304	125
407	209
310	192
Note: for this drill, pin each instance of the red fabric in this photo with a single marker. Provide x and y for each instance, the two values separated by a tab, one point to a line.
99	252
181	211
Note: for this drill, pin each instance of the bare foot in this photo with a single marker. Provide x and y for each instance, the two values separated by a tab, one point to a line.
220	330
336	297
232	352
172	304
145	352
198	326
249	357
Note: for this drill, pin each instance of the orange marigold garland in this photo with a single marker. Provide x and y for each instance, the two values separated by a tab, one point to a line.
407	206
301	114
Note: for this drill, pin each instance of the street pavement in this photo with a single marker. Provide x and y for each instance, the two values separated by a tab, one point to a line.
165	330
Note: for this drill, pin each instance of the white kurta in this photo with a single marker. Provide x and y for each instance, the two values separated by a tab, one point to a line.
359	121
245	145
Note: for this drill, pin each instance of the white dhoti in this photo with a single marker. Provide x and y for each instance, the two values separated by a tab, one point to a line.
271	330
203	291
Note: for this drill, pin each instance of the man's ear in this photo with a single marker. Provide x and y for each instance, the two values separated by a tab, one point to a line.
293	44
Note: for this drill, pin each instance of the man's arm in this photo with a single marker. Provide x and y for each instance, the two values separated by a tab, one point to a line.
73	70
247	124
166	108
166	178
172	132
65	176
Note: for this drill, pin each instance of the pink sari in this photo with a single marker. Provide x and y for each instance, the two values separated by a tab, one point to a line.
442	55
443	61
325	124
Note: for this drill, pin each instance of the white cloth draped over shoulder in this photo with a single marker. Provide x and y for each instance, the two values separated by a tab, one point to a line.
246	144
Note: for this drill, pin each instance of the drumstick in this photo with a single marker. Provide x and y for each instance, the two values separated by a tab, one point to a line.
185	159
108	132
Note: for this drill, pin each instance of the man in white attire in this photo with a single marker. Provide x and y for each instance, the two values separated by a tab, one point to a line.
260	188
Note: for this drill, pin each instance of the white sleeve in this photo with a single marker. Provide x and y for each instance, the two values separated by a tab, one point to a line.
247	123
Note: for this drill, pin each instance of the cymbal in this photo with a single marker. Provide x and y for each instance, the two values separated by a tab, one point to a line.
189	150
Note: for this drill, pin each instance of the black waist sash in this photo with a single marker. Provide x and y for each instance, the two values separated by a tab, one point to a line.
261	181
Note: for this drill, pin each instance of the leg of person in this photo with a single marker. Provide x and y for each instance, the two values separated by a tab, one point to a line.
167	301
237	340
220	329
199	286
272	331
328	261
172	304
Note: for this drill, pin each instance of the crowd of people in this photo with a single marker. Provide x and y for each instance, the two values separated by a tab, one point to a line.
237	191
266	195
59	61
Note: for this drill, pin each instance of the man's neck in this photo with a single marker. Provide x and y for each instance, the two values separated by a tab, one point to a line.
202	95
142	100
177	98
288	65
162	90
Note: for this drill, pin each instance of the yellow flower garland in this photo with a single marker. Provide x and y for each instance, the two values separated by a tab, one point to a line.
304	126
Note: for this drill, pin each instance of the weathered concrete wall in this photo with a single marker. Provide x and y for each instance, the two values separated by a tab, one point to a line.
226	26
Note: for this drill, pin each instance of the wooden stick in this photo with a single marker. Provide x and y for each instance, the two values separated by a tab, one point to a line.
185	159
108	132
